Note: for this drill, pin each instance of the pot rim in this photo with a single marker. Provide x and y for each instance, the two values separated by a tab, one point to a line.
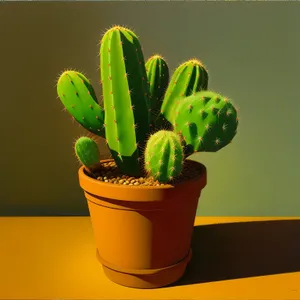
201	177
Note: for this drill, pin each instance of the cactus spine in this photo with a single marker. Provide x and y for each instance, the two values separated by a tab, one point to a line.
126	97
79	99
207	121
164	155
189	78
158	79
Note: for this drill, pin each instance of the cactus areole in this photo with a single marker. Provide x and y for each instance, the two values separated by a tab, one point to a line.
143	201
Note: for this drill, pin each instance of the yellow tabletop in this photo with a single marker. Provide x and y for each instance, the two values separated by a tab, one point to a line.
54	258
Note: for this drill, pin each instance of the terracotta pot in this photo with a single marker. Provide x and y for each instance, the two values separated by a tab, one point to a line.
143	233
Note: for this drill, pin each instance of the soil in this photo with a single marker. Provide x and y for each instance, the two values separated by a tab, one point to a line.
109	172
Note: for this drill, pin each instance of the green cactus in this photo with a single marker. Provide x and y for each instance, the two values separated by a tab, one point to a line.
158	79
164	155
189	78
207	121
78	96
87	152
126	98
136	98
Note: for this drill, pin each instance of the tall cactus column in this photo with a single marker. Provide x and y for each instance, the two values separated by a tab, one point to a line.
126	98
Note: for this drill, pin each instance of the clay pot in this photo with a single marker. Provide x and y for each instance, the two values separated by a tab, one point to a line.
143	233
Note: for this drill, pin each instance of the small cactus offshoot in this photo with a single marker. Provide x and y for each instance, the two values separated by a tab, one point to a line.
87	152
164	156
139	100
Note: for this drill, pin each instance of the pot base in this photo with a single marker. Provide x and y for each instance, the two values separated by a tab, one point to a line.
148	278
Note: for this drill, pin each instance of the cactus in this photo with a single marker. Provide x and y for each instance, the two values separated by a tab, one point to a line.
79	99
87	152
189	78
164	156
158	79
126	98
207	121
137	95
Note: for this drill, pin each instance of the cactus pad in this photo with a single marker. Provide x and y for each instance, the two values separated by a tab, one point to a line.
207	121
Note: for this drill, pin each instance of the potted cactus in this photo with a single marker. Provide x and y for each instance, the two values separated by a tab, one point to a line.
143	201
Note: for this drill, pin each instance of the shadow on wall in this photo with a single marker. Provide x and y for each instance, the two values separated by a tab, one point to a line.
239	250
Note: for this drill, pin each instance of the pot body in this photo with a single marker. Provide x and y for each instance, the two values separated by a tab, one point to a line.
143	234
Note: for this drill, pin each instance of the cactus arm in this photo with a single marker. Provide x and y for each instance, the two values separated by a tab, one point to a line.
158	79
189	78
78	96
126	97
207	121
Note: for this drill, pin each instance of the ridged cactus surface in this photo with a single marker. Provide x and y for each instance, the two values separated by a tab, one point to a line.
189	78
126	97
164	155
158	79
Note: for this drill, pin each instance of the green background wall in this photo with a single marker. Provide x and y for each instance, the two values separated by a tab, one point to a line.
251	51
